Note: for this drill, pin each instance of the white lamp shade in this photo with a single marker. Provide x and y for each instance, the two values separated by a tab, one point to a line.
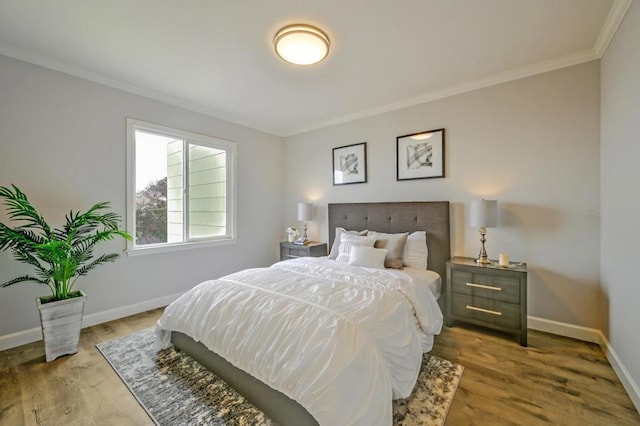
483	213
305	211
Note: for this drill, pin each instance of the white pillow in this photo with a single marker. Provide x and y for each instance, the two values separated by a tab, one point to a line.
348	241
415	250
369	257
394	243
333	254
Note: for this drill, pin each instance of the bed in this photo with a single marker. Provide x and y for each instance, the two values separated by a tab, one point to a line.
349	347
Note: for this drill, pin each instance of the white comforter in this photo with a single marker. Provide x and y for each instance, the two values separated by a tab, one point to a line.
339	339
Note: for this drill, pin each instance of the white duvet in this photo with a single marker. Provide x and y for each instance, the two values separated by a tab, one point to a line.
341	340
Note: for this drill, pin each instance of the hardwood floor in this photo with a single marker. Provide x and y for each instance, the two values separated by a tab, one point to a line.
555	380
80	389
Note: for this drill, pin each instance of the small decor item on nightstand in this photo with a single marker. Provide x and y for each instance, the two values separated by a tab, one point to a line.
483	214
292	233
503	260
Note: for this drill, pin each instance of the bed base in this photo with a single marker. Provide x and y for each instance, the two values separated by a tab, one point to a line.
279	407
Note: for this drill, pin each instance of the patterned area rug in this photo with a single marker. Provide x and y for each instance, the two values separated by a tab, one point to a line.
175	390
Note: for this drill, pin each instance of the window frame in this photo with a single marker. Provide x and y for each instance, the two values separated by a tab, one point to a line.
132	125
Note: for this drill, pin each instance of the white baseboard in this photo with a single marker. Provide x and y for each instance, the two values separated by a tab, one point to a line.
564	329
594	336
34	334
632	388
20	338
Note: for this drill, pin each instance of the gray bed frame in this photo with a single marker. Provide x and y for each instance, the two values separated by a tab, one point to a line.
393	217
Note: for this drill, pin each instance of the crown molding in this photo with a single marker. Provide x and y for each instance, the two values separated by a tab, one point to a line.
612	22
610	26
48	63
458	89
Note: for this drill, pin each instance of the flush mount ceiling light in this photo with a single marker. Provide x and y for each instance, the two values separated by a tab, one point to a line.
301	44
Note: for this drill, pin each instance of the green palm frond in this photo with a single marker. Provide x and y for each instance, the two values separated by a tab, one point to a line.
83	270
19	208
60	255
24	278
93	218
13	237
27	257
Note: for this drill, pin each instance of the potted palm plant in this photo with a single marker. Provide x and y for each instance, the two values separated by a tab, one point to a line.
60	256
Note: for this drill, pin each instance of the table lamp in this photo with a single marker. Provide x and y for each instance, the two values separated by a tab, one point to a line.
483	214
305	213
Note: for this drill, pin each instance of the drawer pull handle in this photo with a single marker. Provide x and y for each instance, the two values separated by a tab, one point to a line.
486	287
292	255
486	311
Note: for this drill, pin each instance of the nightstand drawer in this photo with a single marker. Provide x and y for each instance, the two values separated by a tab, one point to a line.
487	311
498	287
292	253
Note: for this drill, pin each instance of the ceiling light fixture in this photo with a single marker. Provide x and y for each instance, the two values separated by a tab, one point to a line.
301	44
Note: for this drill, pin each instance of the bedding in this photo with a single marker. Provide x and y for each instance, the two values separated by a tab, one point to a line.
347	242
416	253
394	243
430	279
341	340
333	254
368	257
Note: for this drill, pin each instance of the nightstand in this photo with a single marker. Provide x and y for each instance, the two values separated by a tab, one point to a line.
487	295
290	250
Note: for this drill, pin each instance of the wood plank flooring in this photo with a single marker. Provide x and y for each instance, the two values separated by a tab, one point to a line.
555	381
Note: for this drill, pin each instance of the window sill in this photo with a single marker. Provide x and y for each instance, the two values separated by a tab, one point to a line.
166	248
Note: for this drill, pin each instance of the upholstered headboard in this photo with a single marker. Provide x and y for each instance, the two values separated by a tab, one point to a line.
429	216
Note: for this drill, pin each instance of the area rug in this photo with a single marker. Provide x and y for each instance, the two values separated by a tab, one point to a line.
174	389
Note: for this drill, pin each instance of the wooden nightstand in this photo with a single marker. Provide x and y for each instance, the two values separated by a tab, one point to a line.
313	249
487	295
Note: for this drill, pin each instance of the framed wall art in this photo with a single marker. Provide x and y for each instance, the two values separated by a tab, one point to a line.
420	155
350	164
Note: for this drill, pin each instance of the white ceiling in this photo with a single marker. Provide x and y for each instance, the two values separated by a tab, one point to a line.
216	56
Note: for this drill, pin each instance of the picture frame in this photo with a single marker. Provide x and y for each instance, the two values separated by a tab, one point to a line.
420	155
350	164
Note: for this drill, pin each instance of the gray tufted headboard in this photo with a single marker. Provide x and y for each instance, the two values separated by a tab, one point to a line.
393	217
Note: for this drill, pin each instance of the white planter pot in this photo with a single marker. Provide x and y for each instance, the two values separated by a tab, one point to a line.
61	324
291	238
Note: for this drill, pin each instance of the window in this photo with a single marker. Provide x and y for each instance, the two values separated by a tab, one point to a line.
180	188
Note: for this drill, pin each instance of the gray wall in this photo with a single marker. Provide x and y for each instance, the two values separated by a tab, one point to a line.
532	144
620	195
62	141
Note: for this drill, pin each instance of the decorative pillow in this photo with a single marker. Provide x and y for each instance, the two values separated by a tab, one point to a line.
333	254
394	243
415	250
368	257
348	241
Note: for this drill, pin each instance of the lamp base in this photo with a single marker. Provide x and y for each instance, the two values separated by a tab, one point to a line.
482	257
